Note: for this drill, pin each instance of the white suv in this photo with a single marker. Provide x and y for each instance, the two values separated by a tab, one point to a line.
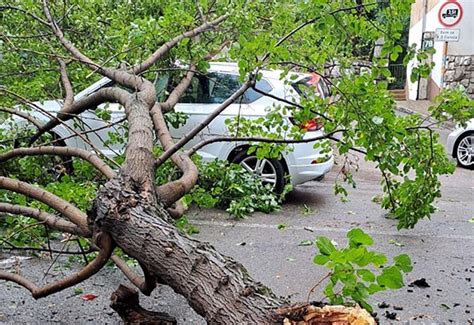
303	163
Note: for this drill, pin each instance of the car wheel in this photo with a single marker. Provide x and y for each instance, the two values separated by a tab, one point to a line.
465	150
269	170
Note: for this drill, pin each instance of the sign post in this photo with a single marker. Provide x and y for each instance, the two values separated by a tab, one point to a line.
449	15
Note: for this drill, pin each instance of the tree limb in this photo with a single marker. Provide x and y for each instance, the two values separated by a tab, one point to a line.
173	191
92	158
24	115
178	91
106	246
145	284
67	87
65	208
48	219
173	42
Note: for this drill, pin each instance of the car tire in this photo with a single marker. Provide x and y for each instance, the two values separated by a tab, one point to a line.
464	150
271	170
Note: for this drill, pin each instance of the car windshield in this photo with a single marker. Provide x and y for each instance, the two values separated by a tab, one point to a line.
212	88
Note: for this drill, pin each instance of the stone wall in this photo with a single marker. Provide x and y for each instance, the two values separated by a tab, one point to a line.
460	71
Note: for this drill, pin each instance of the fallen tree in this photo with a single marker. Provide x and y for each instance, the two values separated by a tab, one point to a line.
131	211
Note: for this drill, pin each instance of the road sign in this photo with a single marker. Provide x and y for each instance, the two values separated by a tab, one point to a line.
447	35
428	40
450	14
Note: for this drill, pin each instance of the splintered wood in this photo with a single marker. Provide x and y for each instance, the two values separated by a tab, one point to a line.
327	315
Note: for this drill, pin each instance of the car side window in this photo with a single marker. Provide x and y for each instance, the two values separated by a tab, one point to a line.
215	88
190	95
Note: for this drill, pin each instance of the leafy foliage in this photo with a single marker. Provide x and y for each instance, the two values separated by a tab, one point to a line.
231	187
448	104
353	273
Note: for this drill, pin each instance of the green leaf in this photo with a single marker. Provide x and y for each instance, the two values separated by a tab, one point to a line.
366	275
403	262
391	277
378	259
320	259
358	237
324	245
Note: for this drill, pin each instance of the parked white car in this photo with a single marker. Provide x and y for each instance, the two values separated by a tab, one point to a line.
303	163
460	145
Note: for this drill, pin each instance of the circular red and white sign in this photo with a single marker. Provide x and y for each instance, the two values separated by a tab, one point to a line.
450	14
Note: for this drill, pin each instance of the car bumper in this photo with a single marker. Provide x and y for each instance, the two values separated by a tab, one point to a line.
302	173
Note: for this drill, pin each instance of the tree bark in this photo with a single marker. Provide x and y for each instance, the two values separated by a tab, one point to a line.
217	287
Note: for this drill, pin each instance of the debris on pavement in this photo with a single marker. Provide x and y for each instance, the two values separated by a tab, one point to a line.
420	283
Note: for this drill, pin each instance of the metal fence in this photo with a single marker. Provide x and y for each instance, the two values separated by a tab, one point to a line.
399	72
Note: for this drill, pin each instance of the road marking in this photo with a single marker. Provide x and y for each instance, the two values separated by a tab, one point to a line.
323	229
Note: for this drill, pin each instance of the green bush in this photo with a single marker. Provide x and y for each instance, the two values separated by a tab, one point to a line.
230	187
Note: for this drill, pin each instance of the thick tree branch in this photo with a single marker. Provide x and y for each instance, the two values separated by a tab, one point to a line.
125	301
24	115
65	208
120	76
92	158
178	91
173	191
67	87
48	219
108	94
145	284
158	54
104	242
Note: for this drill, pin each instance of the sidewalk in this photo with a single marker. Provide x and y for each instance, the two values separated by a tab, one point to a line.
420	107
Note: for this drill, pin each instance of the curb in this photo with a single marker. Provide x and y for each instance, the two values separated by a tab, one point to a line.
448	125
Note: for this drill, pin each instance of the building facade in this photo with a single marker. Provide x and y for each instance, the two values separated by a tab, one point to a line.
448	27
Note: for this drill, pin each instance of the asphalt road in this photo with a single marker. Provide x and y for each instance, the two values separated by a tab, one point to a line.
442	249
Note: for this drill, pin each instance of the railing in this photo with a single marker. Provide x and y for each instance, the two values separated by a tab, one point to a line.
399	72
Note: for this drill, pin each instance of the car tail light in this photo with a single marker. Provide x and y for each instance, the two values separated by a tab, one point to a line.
310	125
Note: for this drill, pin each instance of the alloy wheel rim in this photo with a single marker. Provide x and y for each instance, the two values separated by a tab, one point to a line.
465	151
262	168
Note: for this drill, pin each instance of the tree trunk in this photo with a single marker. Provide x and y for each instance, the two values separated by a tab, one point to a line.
216	286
